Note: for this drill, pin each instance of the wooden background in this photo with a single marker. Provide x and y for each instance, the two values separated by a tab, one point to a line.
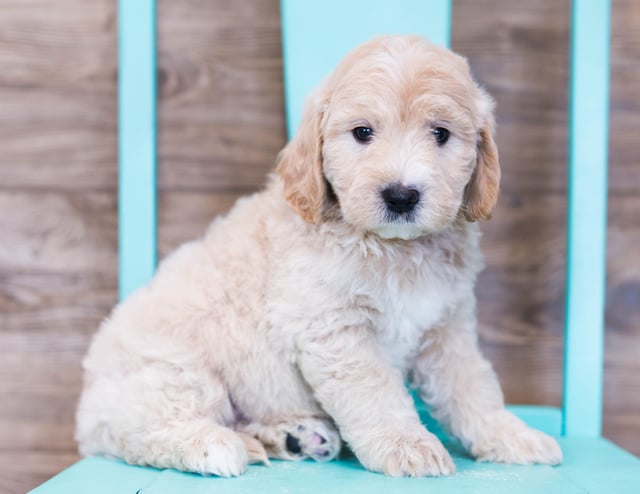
221	125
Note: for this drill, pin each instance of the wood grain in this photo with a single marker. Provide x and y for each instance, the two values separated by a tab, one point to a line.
624	145
22	471
51	231
520	54
58	94
57	281
185	215
221	126
520	296
221	112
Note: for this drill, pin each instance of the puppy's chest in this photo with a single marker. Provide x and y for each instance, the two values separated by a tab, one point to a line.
406	308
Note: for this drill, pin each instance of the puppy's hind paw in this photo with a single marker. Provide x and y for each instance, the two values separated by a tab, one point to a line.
313	439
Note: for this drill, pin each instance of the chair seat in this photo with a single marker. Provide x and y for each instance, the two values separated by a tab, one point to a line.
592	465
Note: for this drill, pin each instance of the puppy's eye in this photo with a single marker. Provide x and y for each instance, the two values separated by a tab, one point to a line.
441	135
362	134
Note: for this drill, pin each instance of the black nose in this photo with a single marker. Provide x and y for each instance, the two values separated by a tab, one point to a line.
400	199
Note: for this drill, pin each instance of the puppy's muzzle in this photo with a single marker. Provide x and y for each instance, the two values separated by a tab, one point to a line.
399	198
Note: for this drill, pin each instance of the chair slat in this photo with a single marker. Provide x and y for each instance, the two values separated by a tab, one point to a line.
316	35
137	143
587	217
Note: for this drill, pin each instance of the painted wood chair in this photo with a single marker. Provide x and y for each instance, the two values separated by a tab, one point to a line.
591	464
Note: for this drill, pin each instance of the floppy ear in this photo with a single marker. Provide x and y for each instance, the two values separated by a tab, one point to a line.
300	164
481	193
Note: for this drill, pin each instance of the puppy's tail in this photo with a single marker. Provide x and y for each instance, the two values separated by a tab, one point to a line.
257	453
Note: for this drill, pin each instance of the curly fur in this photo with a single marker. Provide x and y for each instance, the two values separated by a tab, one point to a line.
300	314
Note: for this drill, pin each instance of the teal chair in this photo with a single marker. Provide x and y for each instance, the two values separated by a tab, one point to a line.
313	42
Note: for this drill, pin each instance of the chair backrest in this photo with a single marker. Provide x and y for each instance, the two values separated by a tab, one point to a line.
329	36
587	217
136	143
326	38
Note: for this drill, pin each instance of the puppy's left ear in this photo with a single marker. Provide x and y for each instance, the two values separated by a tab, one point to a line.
481	193
300	164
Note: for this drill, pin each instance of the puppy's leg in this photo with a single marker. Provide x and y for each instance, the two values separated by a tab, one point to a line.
461	387
164	417
297	439
367	399
199	446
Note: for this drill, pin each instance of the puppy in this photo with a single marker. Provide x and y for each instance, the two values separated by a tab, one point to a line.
295	321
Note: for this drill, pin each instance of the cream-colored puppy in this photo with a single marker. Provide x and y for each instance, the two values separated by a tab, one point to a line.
296	319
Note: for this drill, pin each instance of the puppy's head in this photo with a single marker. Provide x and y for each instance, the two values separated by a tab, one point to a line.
398	142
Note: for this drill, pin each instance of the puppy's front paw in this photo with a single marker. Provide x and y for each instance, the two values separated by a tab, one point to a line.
409	455
509	440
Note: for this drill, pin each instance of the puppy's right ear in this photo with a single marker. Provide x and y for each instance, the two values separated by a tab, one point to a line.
300	164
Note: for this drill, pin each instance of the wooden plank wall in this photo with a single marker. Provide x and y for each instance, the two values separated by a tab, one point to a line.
221	125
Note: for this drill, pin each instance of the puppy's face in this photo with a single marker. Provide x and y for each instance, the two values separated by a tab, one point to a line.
401	135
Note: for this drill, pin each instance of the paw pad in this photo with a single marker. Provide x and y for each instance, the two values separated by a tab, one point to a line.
316	441
293	444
